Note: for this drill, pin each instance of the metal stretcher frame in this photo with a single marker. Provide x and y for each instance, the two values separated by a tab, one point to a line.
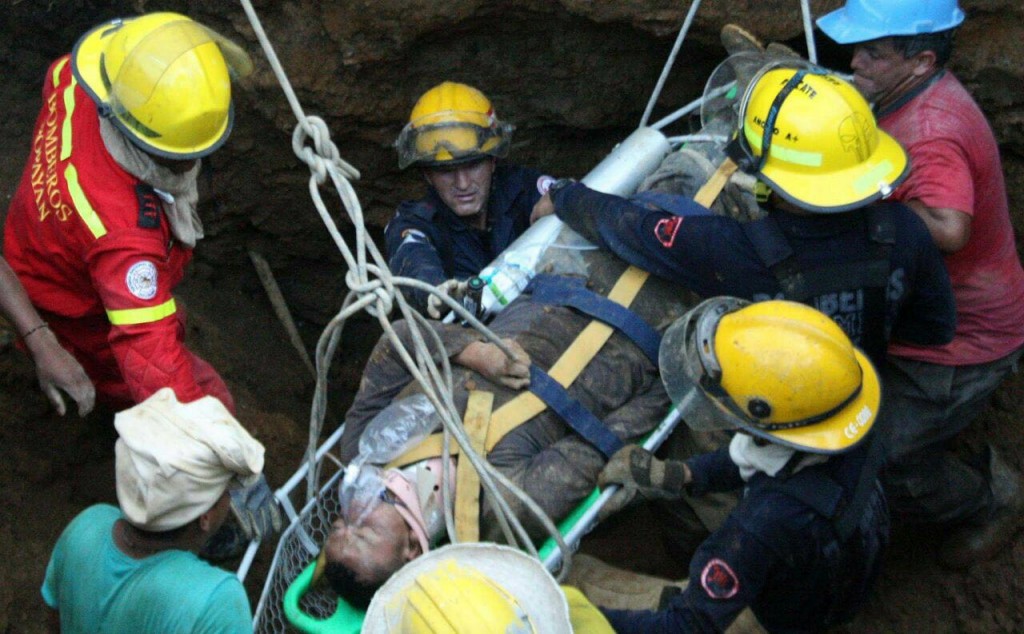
347	619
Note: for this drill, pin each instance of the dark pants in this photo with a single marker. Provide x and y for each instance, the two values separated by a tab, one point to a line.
926	406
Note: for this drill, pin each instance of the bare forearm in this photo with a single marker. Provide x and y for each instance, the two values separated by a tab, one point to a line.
950	228
14	302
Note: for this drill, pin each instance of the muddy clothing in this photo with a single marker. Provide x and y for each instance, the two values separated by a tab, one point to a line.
94	250
929	405
714	255
427	241
778	552
98	588
554	465
935	393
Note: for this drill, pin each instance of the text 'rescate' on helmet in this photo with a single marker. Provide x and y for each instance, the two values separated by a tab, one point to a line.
164	80
451	124
865	20
811	136
778	370
470	587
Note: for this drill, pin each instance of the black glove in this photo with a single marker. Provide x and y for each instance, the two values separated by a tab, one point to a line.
640	473
256	509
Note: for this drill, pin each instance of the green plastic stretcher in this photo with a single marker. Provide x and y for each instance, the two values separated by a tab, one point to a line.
348	619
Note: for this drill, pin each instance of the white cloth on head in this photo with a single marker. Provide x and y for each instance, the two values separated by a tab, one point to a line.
175	460
768	458
182	192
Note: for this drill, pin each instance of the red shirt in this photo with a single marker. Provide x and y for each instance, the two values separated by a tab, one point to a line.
91	245
954	163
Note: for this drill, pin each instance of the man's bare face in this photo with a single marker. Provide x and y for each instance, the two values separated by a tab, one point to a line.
376	548
465	188
881	73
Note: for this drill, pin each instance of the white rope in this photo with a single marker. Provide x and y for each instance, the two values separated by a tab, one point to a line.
812	51
372	288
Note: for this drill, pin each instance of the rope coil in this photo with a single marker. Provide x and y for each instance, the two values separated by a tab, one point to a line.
372	288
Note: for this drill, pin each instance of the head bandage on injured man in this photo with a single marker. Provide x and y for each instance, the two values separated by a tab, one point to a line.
174	460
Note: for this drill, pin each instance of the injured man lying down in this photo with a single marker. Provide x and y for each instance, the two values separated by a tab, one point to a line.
391	515
554	454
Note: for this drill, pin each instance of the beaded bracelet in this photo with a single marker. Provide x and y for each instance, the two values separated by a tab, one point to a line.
40	326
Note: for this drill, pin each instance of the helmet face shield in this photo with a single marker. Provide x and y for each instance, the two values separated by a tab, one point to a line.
689	368
451	142
450	124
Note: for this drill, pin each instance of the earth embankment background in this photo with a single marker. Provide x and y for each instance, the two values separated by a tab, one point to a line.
574	75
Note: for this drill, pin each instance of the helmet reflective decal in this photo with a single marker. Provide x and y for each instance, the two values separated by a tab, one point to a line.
718	580
141	280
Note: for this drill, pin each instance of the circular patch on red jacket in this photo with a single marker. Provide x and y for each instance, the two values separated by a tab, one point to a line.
718	580
141	280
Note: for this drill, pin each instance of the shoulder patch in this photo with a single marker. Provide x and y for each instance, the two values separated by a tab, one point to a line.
544	183
410	236
149	206
666	229
141	279
718	580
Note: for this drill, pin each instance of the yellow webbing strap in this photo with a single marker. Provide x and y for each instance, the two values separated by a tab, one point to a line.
467	480
526	405
710	190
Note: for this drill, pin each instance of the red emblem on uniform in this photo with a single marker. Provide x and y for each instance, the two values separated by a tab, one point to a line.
718	580
666	229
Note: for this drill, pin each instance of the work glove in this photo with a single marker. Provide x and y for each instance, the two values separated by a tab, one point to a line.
638	472
256	509
436	306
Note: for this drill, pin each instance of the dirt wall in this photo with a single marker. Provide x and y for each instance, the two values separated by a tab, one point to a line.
574	75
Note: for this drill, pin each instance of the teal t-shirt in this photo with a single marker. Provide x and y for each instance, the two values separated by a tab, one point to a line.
99	589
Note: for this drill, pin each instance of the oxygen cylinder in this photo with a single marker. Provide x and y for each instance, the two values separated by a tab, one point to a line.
620	173
629	163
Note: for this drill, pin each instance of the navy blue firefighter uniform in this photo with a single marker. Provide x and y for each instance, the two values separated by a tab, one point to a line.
875	270
427	241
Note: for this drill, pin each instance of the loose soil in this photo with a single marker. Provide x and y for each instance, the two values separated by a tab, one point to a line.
52	467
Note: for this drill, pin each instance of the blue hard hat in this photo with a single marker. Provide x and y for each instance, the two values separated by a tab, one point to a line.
864	20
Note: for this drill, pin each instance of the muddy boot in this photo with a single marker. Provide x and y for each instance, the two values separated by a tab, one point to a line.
736	39
975	543
611	587
781	51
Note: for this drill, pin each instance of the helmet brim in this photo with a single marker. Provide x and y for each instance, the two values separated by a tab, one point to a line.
842	190
86	56
524	577
842	431
842	29
682	373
